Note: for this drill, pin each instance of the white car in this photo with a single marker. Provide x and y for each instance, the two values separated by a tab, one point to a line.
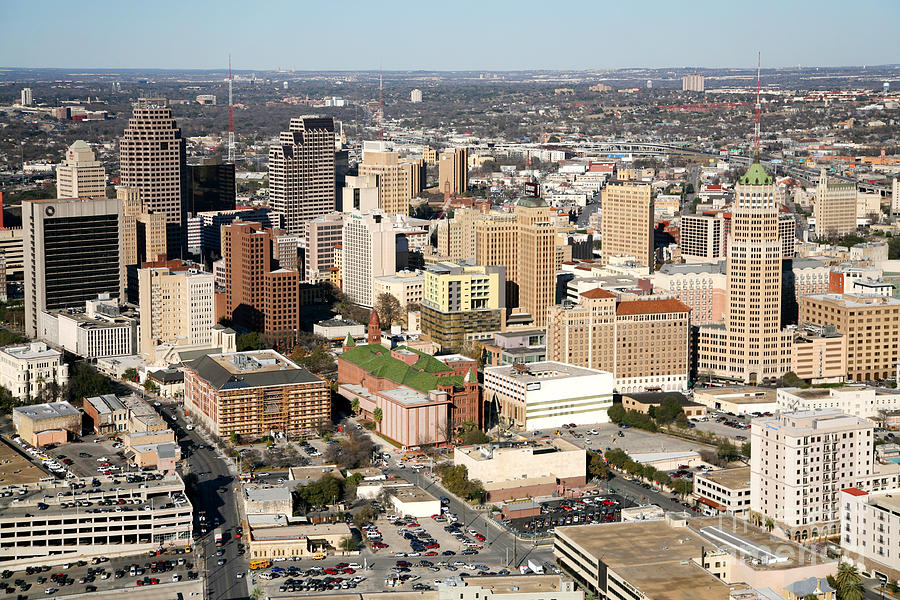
102	459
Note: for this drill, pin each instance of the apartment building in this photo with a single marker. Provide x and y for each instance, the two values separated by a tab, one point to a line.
408	287
26	369
871	326
704	237
152	159
799	463
724	491
462	302
453	172
177	307
626	227
302	172
72	254
643	343
869	525
80	175
834	208
155	512
692	82
701	287
398	180
255	393
369	250
856	400
12	249
456	236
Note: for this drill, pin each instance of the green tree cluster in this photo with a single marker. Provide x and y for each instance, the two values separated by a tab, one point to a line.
620	416
668	410
847	582
321	492
456	480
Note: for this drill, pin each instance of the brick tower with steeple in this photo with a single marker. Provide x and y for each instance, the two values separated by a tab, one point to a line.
374	328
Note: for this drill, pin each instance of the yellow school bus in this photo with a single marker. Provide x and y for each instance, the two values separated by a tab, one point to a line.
260	564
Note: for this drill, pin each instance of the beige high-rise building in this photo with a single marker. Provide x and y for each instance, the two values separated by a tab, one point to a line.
302	172
399	181
751	347
453	172
152	228
703	237
693	82
835	207
360	192
81	175
456	236
895	196
429	155
177	307
152	159
643	343
626	226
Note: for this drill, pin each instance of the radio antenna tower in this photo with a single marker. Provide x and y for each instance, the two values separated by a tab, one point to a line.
230	116
758	106
380	104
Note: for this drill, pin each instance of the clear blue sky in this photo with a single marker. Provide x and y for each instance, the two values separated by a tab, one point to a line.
447	35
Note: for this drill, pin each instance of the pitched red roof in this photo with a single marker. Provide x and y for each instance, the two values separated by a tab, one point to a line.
598	293
643	307
855	492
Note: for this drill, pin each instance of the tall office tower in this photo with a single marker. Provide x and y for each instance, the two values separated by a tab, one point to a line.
703	237
302	172
626	222
369	249
143	237
693	82
256	296
177	307
72	254
398	181
152	159
497	243
752	347
415	96
429	155
538	261
80	175
25	97
835	207
322	236
895	196
210	186
453	172
456	236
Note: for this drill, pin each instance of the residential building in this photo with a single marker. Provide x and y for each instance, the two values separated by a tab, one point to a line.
856	400
512	470
870	324
692	82
869	525
834	208
323	234
286	250
398	180
415	96
210	185
302	172
538	259
462	302
643	343
408	287
456	236
254	394
73	253
547	394
724	490
51	422
369	250
100	328
152	159
360	192
453	172
257	294
177	307
25	370
80	175
704	237
627	222
26	97
701	287
161	515
799	463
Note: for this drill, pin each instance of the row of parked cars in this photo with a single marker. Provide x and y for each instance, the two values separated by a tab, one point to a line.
48	462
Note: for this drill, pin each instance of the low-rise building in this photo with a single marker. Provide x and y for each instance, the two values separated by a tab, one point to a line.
643	402
515	587
516	346
819	354
25	370
50	423
169	381
414	502
101	329
724	491
408	287
857	400
267	499
738	400
548	394
302	541
107	413
339	328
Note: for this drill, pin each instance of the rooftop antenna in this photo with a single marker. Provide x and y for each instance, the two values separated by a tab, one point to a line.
380	104
758	107
230	116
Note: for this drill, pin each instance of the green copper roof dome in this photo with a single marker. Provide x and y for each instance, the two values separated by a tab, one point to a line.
756	175
529	202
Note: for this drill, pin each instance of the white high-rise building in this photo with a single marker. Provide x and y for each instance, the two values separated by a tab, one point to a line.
80	175
870	525
693	82
369	245
415	96
26	98
895	196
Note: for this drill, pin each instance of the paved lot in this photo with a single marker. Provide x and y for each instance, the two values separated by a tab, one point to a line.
734	433
575	511
85	455
17	468
633	441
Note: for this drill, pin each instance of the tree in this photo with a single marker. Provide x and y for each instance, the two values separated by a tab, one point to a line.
377	415
745	449
235	438
727	451
846	576
256	594
325	490
151	387
348	544
597	465
388	308
354	406
475	436
130	374
770	524
86	382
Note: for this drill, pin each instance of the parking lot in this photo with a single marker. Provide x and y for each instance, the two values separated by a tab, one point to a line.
86	455
573	511
736	428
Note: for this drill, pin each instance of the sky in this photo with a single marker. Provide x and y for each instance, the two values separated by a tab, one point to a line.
446	35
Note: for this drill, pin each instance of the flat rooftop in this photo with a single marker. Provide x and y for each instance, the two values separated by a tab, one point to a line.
278	493
16	469
293	532
31	351
313	473
238	370
405	396
739	394
485	452
412	494
732	479
50	410
541	371
105	404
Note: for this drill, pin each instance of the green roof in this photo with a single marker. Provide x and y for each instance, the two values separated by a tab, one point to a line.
529	202
756	175
424	375
349	341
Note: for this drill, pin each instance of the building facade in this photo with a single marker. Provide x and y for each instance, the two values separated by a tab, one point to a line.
408	287
453	172
835	207
398	180
323	234
703	237
80	175
869	526
369	250
627	222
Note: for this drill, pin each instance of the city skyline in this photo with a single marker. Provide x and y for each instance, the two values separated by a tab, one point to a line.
597	37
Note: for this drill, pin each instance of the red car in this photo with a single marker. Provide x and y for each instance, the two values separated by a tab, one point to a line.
479	537
331	571
413	525
140	582
154	581
431	553
379	545
341	565
349	571
432	545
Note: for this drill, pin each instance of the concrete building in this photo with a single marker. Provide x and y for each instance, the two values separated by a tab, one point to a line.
360	192
643	402
129	414
284	541
73	254
414	502
627	222
161	516
701	287
548	394
13	251
692	82
253	394
724	491
339	328
152	159
856	400
80	175
398	180
323	235
302	172
177	307
463	302
258	295
143	234
799	463
267	499
368	245
643	343
99	329
456	236
516	346
26	97
741	400
819	354
415	96
408	287
510	471
704	237
835	207
37	424
869	525
453	172
870	325
25	370
211	224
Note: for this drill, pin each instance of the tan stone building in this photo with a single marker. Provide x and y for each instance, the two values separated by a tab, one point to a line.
871	326
31	421
399	181
627	222
835	207
644	343
453	171
456	236
138	224
819	355
285	541
80	175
